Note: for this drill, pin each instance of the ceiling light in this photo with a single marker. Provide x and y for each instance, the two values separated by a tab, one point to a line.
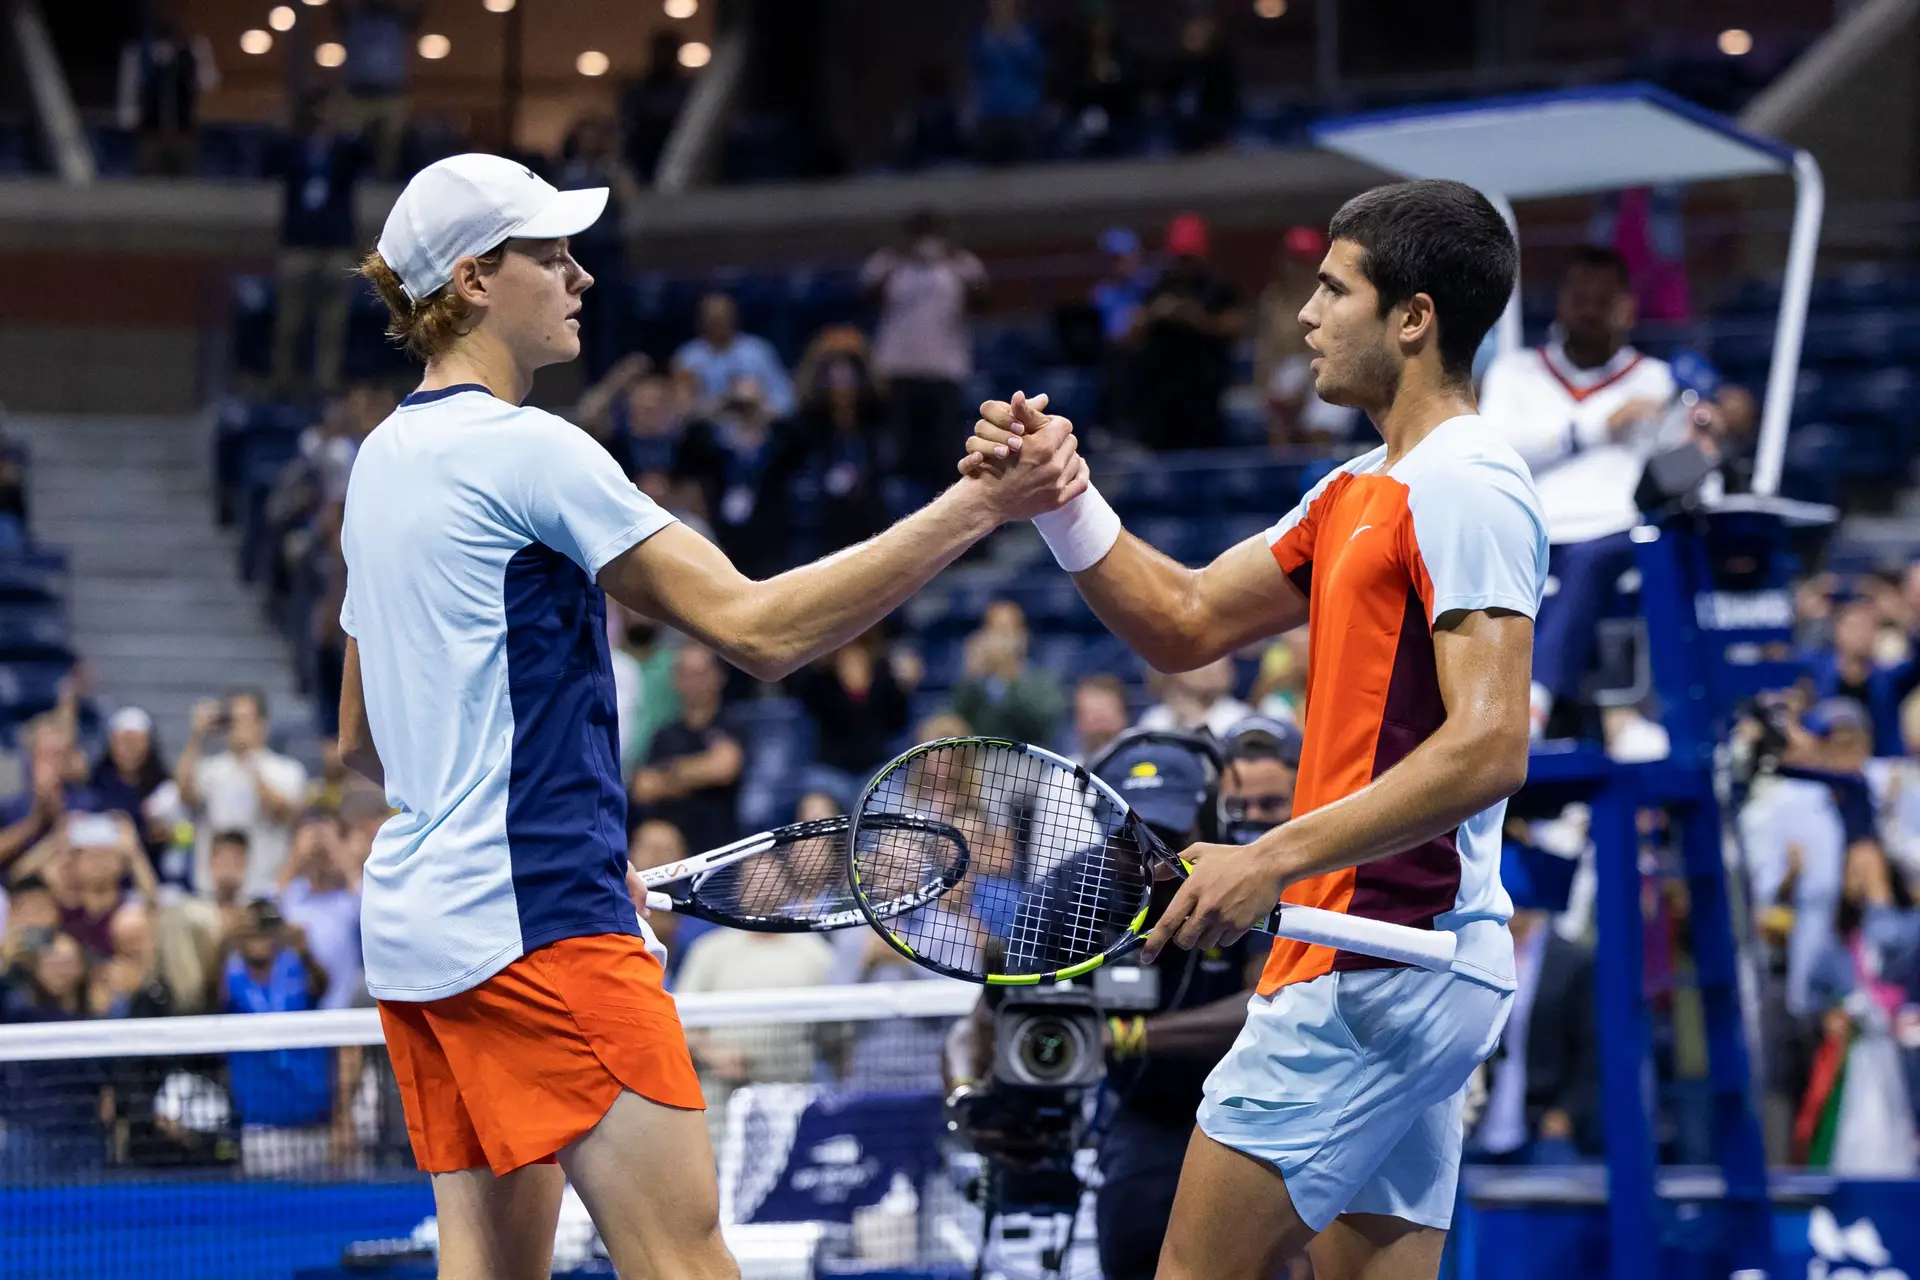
330	54
695	54
434	46
255	41
592	63
280	18
1735	43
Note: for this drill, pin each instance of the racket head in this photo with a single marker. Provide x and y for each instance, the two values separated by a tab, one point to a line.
1061	871
797	883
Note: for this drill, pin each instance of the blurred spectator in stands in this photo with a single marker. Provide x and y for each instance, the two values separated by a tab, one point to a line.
129	771
1186	331
247	786
1280	690
635	413
50	979
928	132
655	843
283	1098
1282	363
1198	699
840	413
742	458
692	774
1263	764
1009	71
319	166
89	864
52	1123
592	156
651	104
194	933
379	35
1585	412
33	915
1099	714
1203	86
644	698
320	895
1103	90
1851	668
163	72
53	789
858	698
999	694
130	976
709	365
1119	294
1896	794
1544	1103
923	347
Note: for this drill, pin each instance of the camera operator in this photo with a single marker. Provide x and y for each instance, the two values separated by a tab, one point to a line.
1157	1062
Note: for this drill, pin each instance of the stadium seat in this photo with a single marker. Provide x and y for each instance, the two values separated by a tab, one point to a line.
35	630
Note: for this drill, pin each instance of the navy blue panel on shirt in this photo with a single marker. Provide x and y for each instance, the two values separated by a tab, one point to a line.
566	809
441	393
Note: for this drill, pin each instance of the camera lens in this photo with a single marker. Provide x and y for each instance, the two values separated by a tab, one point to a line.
1049	1049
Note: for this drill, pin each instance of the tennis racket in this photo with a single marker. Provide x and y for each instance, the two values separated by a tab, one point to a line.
793	879
1060	875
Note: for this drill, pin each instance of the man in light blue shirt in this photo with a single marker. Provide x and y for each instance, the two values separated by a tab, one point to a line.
710	362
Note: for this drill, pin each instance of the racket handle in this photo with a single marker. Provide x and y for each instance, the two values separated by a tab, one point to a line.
1424	948
659	902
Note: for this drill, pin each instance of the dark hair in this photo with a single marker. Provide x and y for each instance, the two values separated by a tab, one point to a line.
33	883
232	835
1443	239
153	769
1104	682
253	694
1601	258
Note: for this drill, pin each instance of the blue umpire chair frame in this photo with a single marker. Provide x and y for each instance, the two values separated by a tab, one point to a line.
1710	642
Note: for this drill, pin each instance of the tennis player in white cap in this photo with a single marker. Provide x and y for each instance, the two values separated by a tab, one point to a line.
524	1014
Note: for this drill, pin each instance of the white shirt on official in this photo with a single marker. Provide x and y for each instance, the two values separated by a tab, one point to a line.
473	534
1555	414
230	801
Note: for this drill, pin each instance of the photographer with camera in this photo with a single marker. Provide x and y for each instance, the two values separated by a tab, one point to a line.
1162	1028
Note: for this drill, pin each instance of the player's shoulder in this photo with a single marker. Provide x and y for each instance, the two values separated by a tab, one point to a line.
1368	463
1463	460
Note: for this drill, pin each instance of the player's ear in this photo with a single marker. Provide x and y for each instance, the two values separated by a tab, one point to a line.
469	281
1418	322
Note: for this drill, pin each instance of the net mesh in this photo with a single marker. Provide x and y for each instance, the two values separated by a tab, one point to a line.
274	1145
1055	871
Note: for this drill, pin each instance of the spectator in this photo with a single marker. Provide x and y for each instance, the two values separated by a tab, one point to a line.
1544	1102
129	771
33	916
1198	699
1896	794
320	896
840	414
1282	362
378	35
652	104
692	774
928	131
131	973
741	460
1122	291
635	413
1185	336
88	864
923	348
710	366
193	934
29	817
246	787
998	693
1103	91
319	168
1099	714
1263	761
1009	71
163	72
1584	411
592	156
1203	86
656	843
644	698
1280	690
283	1098
52	1123
1851	669
857	696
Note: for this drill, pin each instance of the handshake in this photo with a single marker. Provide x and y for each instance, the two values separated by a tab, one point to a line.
1027	465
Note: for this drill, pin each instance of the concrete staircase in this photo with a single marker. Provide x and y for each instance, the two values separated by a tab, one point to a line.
159	612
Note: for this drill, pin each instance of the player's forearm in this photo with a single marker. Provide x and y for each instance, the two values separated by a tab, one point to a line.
1151	601
1459	771
1206	1031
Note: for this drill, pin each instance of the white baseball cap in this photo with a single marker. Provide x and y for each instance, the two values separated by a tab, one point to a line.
465	205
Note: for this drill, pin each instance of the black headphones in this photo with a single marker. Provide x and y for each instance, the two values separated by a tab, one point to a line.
1211	821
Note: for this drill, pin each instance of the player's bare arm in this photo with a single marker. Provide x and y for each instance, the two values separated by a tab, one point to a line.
1175	617
773	627
1477	757
356	738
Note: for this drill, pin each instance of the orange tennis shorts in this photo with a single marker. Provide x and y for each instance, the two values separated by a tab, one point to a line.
506	1074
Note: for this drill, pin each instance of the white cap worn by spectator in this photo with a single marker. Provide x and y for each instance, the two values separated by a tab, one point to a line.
465	205
129	720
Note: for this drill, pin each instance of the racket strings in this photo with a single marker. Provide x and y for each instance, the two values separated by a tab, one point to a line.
795	880
1053	875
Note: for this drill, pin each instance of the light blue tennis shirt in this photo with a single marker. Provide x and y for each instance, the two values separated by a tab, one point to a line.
473	532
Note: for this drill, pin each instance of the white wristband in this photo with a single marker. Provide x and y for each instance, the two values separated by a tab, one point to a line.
1081	533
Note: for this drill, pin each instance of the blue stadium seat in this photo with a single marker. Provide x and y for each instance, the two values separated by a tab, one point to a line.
35	630
253	297
30	579
29	688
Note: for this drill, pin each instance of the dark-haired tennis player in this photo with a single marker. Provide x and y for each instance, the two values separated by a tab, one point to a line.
525	1017
1333	1126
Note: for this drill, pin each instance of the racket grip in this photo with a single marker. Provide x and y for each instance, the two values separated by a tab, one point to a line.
1424	948
657	901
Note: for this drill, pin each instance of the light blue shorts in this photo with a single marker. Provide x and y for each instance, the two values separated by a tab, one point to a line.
1351	1085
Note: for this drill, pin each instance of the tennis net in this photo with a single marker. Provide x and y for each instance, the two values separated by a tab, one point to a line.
274	1146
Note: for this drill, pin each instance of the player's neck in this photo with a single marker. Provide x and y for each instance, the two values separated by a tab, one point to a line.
1419	407
483	362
